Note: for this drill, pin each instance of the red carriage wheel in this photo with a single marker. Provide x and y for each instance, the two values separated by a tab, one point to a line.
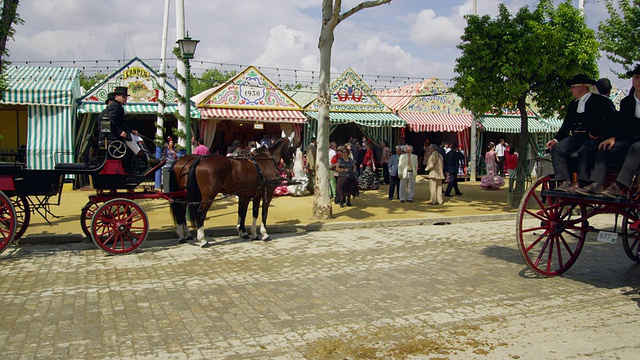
631	235
8	224
23	215
85	217
550	235
119	226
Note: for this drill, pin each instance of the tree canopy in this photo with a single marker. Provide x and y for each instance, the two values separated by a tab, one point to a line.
510	61
210	78
8	19
620	34
528	56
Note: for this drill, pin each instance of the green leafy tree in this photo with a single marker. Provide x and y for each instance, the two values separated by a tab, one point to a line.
510	60
87	82
620	34
8	19
210	78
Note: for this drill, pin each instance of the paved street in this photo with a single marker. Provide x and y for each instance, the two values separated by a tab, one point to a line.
428	292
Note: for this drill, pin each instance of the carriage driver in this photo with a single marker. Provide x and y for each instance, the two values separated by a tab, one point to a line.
586	124
115	113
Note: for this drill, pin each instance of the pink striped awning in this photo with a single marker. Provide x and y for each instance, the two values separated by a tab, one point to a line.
279	116
428	122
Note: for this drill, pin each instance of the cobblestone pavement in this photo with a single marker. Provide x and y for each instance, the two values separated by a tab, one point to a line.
423	292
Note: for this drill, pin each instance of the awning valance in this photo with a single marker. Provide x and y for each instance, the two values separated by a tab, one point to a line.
364	119
553	124
428	122
277	116
34	85
96	108
511	124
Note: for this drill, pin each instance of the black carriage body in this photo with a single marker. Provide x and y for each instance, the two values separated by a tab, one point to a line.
17	180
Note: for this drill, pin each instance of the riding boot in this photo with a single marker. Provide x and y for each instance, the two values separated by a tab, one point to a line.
141	154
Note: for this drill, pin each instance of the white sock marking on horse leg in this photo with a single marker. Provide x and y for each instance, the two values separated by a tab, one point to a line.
201	238
263	231
254	234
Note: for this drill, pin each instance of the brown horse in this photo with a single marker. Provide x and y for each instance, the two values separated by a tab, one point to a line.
251	177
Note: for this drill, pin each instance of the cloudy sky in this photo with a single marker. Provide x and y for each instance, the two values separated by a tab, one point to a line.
407	39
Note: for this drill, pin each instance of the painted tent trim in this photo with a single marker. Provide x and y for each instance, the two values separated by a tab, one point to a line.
249	89
143	84
349	93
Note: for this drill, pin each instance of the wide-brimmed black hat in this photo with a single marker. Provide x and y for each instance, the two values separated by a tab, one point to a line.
581	79
635	71
120	90
110	98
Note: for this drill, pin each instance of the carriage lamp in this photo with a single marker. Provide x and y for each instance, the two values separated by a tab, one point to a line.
187	47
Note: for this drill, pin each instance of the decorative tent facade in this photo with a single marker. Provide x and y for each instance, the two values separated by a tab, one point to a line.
141	108
353	101
48	94
246	106
429	107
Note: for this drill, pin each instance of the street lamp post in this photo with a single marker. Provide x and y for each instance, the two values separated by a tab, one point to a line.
187	50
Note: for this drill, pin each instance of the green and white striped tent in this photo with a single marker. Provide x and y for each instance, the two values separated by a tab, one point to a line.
49	94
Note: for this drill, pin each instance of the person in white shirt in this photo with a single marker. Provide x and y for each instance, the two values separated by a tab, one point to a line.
500	151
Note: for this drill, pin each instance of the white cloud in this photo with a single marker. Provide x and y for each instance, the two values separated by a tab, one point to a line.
288	48
436	30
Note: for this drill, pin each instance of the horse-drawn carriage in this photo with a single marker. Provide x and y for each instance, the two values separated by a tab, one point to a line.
552	225
111	217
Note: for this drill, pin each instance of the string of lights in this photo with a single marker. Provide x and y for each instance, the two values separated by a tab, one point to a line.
298	79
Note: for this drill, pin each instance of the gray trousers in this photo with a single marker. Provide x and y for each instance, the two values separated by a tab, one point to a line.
630	166
605	159
561	152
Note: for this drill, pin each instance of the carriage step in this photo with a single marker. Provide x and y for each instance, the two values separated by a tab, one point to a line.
70	166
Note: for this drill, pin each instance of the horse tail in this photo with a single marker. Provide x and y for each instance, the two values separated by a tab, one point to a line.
193	192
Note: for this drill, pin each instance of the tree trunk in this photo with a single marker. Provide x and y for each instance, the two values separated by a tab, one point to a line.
521	168
331	17
322	209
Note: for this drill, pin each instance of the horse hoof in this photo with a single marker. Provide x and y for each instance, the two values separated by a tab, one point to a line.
268	238
246	237
204	245
182	241
189	238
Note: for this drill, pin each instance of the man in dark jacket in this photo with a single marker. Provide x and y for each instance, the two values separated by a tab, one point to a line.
630	121
587	123
115	113
452	161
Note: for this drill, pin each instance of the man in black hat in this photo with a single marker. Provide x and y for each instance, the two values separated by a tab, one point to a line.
629	116
115	113
587	123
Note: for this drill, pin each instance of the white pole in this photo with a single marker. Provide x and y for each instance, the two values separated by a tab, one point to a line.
581	6
163	68
474	139
182	69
